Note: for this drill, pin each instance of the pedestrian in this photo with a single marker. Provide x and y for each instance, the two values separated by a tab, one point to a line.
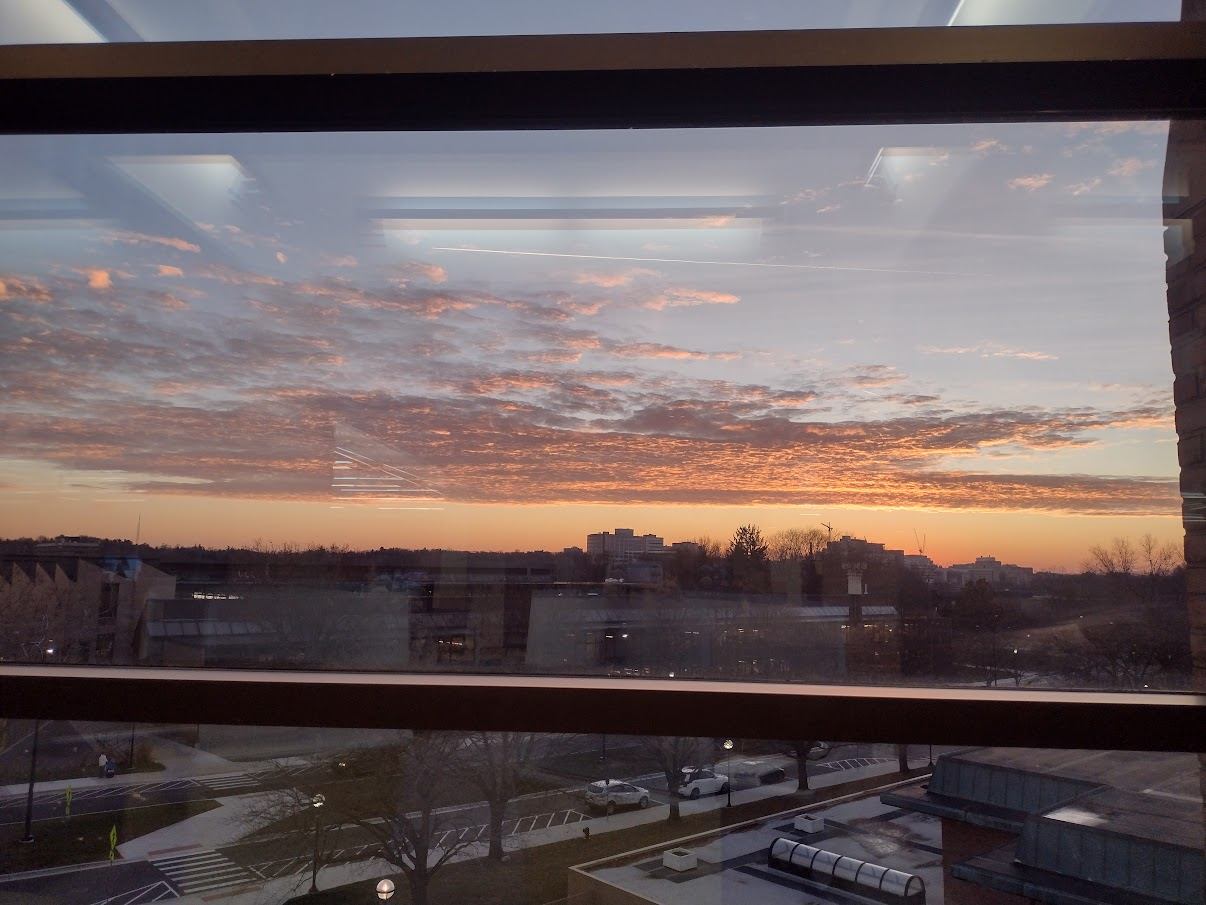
101	763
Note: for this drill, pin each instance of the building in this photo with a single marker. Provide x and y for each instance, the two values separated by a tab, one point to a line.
1001	576
624	544
594	631
1022	826
67	609
738	865
278	627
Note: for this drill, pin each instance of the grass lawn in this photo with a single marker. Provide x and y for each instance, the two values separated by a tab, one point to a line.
86	838
538	875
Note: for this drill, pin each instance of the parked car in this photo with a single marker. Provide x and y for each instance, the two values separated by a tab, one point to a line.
697	781
749	773
609	794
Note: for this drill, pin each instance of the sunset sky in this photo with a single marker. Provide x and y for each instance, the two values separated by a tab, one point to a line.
506	341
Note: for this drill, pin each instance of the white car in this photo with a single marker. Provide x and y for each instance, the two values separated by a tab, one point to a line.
697	781
608	794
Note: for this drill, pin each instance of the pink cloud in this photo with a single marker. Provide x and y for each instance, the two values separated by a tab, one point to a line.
988	350
1031	183
280	256
584	308
611	280
988	145
431	272
131	238
680	298
97	278
655	350
550	356
1129	166
1083	188
167	270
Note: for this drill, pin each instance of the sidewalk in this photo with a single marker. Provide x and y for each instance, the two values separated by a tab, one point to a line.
229	822
179	761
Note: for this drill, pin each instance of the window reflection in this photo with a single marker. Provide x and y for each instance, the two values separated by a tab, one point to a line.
329	401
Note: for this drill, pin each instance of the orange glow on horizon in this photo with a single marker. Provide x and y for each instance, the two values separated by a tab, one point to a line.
1043	541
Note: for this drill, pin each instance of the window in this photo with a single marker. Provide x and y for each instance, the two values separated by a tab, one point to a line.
493	152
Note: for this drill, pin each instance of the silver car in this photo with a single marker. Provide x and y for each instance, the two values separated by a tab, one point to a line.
608	794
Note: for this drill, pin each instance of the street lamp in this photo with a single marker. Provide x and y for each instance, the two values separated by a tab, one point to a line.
385	889
728	786
33	774
316	802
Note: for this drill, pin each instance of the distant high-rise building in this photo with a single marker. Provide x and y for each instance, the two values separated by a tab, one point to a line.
624	544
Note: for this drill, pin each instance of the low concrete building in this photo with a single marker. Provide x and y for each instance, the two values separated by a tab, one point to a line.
1061	827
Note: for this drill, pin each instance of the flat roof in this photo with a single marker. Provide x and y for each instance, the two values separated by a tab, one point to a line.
732	864
1175	774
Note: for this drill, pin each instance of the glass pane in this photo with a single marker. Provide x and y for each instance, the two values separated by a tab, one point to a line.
63	21
256	814
885	404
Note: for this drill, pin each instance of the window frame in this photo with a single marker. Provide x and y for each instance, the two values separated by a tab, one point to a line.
726	79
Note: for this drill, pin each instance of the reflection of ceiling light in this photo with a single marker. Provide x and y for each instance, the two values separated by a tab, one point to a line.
1025	12
202	188
45	22
899	160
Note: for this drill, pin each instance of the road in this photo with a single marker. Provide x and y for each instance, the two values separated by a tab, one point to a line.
119	883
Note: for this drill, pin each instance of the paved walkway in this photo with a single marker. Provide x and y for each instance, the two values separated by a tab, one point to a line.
179	761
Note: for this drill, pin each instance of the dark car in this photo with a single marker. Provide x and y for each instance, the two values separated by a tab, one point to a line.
749	773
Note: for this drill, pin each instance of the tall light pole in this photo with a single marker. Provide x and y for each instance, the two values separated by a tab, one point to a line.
33	772
728	785
316	802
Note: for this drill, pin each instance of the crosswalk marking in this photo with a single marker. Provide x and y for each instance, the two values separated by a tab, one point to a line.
203	871
141	895
228	781
56	796
855	762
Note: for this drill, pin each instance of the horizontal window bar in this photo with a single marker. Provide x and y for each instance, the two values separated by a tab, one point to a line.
1021	717
610	81
823	49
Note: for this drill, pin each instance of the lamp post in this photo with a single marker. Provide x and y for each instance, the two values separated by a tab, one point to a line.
316	802
728	785
385	889
33	772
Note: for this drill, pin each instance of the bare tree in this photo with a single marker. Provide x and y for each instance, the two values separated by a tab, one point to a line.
393	794
494	767
1122	654
672	753
807	751
1136	570
416	836
796	543
1116	558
